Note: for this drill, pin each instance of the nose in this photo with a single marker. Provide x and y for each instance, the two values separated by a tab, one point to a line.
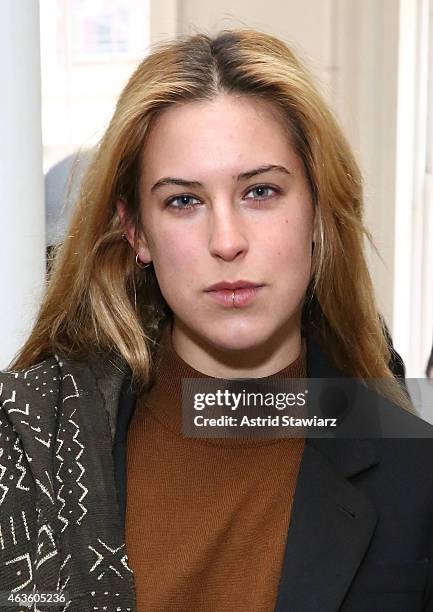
227	235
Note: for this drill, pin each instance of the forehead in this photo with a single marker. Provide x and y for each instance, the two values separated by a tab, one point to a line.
229	132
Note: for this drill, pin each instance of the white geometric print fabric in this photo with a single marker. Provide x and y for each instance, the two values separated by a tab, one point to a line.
60	528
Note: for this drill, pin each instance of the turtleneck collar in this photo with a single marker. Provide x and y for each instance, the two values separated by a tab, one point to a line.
164	398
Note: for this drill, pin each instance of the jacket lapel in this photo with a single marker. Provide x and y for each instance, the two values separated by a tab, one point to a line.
332	522
330	529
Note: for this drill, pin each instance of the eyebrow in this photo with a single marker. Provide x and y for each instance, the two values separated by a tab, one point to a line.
169	180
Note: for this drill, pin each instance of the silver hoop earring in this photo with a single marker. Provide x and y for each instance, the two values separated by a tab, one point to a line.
140	264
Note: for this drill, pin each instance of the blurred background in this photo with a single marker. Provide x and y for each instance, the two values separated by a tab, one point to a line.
64	62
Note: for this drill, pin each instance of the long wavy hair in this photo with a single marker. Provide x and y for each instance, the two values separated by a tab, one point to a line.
99	301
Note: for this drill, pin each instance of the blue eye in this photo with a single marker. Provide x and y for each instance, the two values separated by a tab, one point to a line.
261	192
183	201
186	201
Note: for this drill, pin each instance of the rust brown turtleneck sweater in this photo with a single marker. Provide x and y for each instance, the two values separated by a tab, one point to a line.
206	519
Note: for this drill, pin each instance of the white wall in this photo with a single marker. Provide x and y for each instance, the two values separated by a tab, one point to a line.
306	26
22	214
365	97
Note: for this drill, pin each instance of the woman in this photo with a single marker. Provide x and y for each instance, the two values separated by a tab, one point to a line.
218	235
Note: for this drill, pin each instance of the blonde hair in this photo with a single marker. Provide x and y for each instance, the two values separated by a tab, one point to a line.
99	301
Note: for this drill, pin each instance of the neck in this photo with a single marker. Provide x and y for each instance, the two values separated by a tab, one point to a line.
266	359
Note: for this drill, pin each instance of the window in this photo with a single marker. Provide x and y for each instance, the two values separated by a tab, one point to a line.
89	48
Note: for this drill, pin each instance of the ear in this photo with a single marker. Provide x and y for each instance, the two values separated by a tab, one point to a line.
129	230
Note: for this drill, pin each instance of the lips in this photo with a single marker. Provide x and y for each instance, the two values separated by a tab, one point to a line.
238	297
231	286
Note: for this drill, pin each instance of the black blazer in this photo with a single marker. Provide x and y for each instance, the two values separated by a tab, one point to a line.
361	531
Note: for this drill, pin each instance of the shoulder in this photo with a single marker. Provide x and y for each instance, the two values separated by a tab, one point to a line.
44	381
39	382
30	397
28	402
49	366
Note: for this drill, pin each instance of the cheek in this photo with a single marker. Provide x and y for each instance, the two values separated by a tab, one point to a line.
290	245
290	241
174	258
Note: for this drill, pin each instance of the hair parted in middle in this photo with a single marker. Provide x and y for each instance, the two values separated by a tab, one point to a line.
98	300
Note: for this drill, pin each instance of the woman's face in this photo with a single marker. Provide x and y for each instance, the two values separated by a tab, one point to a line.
225	198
